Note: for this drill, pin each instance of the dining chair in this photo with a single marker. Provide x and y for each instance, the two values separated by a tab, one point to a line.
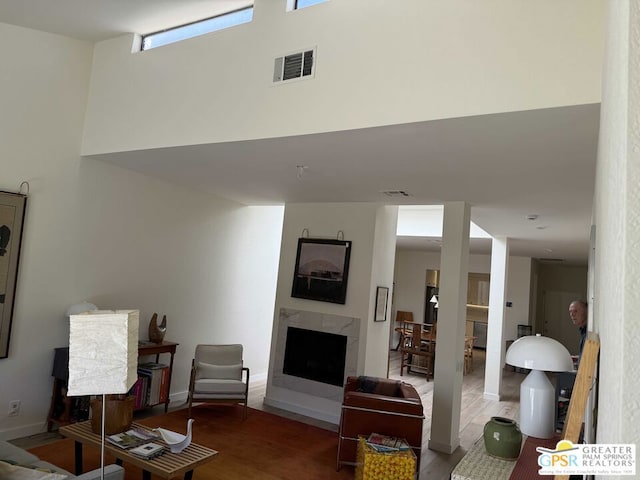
417	344
402	317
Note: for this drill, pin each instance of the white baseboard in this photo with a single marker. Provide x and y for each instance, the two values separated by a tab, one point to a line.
443	447
23	431
307	412
491	396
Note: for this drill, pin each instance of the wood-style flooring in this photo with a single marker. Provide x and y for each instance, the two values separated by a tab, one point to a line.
476	411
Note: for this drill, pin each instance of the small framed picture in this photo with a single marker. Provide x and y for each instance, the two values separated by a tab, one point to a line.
382	294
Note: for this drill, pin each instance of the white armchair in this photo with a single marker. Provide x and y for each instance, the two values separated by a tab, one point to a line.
218	376
18	461
111	472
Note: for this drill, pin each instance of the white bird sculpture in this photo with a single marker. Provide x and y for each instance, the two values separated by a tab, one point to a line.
176	441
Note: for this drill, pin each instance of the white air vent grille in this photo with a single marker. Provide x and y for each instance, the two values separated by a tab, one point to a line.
294	65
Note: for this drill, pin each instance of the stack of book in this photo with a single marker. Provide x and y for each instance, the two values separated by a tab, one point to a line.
138	441
152	386
148	450
385	443
132	438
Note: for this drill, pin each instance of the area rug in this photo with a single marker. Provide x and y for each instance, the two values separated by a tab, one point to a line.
264	446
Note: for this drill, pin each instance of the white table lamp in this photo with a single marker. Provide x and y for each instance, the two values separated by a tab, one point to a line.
103	355
537	395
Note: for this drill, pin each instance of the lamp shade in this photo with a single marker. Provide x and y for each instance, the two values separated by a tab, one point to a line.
103	352
402	316
80	308
539	353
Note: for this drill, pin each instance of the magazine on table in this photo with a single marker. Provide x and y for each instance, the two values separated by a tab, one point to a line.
148	450
132	438
385	443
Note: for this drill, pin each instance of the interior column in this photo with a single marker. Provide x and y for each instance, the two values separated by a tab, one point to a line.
452	312
495	328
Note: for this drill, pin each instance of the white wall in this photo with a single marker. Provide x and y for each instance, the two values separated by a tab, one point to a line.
116	238
371	229
616	306
383	262
376	64
410	277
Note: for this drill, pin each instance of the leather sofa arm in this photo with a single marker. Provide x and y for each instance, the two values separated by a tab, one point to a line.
384	383
408	391
372	401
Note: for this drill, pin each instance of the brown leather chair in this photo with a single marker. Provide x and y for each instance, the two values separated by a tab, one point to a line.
378	405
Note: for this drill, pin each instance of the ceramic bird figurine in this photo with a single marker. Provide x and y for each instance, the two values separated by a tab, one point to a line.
156	333
176	441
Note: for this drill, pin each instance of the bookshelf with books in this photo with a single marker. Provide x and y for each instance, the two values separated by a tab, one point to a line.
154	377
151	387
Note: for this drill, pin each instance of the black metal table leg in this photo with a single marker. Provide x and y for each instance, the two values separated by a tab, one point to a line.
146	475
78	455
188	475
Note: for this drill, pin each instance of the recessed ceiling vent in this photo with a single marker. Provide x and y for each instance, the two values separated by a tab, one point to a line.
396	193
551	260
294	65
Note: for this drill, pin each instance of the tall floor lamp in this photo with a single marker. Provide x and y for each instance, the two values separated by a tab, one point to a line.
537	395
103	356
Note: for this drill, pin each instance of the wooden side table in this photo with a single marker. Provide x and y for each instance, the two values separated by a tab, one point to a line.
64	410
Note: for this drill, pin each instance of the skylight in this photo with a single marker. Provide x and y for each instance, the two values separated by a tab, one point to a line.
195	29
426	221
307	3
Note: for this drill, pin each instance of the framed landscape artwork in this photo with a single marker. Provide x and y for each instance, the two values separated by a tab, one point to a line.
12	208
322	269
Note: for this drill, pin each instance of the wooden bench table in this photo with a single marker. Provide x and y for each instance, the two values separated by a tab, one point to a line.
168	465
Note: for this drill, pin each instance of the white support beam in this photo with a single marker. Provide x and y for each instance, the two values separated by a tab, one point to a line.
495	330
452	312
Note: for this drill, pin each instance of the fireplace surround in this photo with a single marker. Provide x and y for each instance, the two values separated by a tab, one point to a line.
337	330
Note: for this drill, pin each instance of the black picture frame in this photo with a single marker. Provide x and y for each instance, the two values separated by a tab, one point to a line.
322	270
380	313
12	213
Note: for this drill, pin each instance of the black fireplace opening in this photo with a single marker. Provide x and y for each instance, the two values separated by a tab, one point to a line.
314	355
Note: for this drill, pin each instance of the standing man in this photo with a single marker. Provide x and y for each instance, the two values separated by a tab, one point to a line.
578	312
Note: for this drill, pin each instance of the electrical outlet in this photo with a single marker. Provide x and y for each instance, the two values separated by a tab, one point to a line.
14	408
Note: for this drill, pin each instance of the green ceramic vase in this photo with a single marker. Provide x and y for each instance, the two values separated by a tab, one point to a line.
502	438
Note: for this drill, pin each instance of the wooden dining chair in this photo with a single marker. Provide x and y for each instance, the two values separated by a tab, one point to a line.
402	317
416	345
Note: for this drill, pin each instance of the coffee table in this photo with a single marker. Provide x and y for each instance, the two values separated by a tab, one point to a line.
168	465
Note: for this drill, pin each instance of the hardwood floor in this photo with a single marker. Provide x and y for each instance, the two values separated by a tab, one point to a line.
476	411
